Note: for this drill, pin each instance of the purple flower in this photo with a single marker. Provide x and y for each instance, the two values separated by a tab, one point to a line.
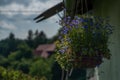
69	17
62	51
71	25
75	22
65	19
65	48
64	9
76	17
60	37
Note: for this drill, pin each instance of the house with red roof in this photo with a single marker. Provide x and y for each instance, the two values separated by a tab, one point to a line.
44	50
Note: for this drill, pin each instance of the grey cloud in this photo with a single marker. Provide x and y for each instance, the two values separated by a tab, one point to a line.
25	22
6	2
24	2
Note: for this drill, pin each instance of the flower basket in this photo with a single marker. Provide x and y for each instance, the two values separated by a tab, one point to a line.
87	62
83	41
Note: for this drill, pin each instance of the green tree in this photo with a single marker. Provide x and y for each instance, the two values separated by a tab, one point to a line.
9	45
20	59
9	74
40	39
30	38
42	67
11	36
24	65
4	61
30	35
36	33
24	51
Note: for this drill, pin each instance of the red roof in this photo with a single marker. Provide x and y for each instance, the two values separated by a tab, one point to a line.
46	47
43	50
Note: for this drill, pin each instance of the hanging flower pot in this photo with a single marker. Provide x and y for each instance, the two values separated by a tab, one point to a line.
87	62
83	41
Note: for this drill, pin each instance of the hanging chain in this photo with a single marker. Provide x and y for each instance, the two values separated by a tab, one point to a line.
86	6
82	6
75	7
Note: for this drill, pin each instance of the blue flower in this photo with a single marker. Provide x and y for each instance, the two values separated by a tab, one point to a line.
91	22
86	20
64	30
85	27
81	20
97	26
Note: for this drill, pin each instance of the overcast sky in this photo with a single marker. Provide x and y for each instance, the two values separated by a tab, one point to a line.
17	16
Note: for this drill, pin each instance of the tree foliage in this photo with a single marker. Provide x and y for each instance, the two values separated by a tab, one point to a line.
9	74
17	54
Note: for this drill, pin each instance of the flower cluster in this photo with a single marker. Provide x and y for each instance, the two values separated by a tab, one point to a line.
82	36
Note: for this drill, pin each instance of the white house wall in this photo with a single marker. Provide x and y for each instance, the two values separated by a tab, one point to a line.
110	69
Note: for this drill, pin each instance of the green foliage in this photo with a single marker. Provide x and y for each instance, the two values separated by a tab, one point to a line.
29	40
24	51
14	56
40	39
34	39
9	45
20	59
24	65
17	54
4	61
42	67
9	74
11	36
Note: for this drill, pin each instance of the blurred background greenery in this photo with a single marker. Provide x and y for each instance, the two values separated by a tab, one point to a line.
18	62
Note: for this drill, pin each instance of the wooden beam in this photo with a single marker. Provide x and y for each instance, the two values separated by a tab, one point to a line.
50	12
